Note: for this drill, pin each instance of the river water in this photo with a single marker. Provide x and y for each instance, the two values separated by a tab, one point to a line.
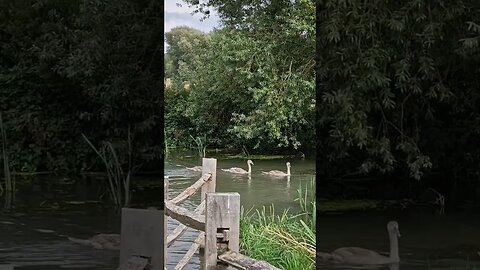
33	235
428	240
47	210
255	192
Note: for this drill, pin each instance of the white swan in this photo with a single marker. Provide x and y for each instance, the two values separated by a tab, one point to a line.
196	168
279	173
361	256
240	170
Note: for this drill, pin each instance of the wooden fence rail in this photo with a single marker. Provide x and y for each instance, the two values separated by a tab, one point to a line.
217	218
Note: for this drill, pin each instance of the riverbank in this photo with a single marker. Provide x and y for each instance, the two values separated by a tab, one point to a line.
286	240
236	153
336	206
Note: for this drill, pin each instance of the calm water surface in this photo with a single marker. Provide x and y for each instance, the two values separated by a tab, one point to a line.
34	234
428	240
255	192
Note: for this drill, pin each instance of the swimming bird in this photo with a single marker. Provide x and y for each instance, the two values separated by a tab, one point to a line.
100	241
279	173
240	170
361	256
196	168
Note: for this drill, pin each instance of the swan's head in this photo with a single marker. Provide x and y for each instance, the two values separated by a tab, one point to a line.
392	227
288	164
250	162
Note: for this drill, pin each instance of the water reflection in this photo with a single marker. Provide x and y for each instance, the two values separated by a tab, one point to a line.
9	200
35	224
43	213
429	240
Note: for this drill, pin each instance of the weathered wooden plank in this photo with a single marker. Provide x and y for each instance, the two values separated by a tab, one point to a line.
193	248
181	229
209	165
222	211
188	192
232	222
185	216
241	261
134	263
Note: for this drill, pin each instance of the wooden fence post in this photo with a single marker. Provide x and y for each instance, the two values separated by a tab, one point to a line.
222	214
165	220
141	238
209	165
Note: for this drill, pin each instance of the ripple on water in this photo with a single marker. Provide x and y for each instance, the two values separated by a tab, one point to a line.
256	191
59	254
35	236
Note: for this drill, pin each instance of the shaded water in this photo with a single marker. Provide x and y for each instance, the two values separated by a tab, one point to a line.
255	192
34	234
428	240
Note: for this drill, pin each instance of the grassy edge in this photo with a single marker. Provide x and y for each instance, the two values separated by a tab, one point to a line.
284	240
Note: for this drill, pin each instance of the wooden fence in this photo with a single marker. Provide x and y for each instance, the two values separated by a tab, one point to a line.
217	218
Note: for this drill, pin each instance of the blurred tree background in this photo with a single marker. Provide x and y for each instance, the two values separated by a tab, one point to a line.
248	84
399	95
73	67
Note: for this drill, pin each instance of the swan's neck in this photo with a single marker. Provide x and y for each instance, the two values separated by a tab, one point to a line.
394	247
249	168
288	170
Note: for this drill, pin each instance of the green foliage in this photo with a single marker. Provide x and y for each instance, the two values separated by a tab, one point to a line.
251	82
118	180
168	66
282	240
398	86
307	200
286	241
183	43
75	67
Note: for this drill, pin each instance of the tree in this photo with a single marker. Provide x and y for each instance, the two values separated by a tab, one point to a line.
396	86
90	67
182	42
257	75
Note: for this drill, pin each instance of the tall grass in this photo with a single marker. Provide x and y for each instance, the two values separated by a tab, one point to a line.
307	200
201	145
167	147
284	240
119	181
9	184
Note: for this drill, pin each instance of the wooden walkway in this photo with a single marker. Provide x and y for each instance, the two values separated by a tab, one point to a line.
144	244
217	218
